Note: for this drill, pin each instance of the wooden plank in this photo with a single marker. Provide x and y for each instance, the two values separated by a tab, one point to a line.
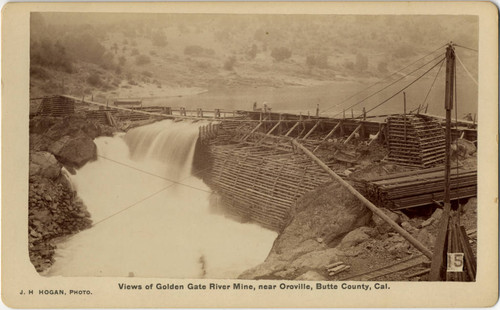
312	129
352	134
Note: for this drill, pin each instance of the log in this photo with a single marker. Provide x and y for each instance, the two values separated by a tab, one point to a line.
366	202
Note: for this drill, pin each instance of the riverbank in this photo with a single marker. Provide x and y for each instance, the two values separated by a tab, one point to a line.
329	226
57	147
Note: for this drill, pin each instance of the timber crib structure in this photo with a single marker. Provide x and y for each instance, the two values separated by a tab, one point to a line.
259	172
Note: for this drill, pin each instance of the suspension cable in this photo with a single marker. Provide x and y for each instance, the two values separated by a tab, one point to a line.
432	85
151	195
383	79
155	175
467	71
394	82
401	90
467	48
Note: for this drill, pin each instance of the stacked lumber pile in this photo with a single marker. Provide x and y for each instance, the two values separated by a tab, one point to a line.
336	268
418	188
415	140
57	106
260	184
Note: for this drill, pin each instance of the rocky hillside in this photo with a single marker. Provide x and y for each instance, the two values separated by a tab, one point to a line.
148	55
55	211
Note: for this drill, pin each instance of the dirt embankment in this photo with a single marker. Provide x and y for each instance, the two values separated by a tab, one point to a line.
54	208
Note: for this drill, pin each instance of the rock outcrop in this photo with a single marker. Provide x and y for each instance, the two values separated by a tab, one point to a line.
55	211
69	139
316	225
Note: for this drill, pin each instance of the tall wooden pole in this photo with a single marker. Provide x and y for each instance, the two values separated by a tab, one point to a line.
404	112
439	256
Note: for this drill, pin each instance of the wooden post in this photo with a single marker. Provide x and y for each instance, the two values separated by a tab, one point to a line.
343	114
364	114
366	202
317	110
404	112
352	134
312	129
438	259
328	136
291	129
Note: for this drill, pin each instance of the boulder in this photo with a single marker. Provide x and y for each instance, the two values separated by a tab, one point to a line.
409	228
317	259
382	226
356	237
44	164
426	238
74	151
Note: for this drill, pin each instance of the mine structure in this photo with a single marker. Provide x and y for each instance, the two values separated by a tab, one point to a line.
261	161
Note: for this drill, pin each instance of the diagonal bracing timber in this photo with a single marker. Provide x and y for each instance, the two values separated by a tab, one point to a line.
417	244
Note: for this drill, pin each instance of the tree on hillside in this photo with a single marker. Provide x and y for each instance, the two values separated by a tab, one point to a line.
281	53
361	62
50	54
142	60
319	61
252	52
382	67
229	63
159	38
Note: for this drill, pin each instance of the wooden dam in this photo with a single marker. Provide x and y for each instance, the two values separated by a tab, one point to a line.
259	164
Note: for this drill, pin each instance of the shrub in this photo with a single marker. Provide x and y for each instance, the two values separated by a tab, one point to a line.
252	52
142	60
50	54
147	73
39	72
159	39
193	50
320	61
281	53
229	63
94	80
361	62
382	67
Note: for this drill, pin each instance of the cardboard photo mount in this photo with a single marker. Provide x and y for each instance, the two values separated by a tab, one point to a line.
18	274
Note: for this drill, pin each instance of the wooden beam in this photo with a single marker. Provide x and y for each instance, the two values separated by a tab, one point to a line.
291	129
312	129
366	202
269	132
328	136
352	134
272	129
251	132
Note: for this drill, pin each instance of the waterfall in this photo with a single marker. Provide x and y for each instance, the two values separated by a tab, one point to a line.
152	216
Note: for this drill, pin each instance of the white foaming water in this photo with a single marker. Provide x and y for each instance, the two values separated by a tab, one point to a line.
171	234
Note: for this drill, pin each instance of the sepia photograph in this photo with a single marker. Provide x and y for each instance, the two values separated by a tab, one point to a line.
314	152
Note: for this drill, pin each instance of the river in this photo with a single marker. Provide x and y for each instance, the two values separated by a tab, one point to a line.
145	225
